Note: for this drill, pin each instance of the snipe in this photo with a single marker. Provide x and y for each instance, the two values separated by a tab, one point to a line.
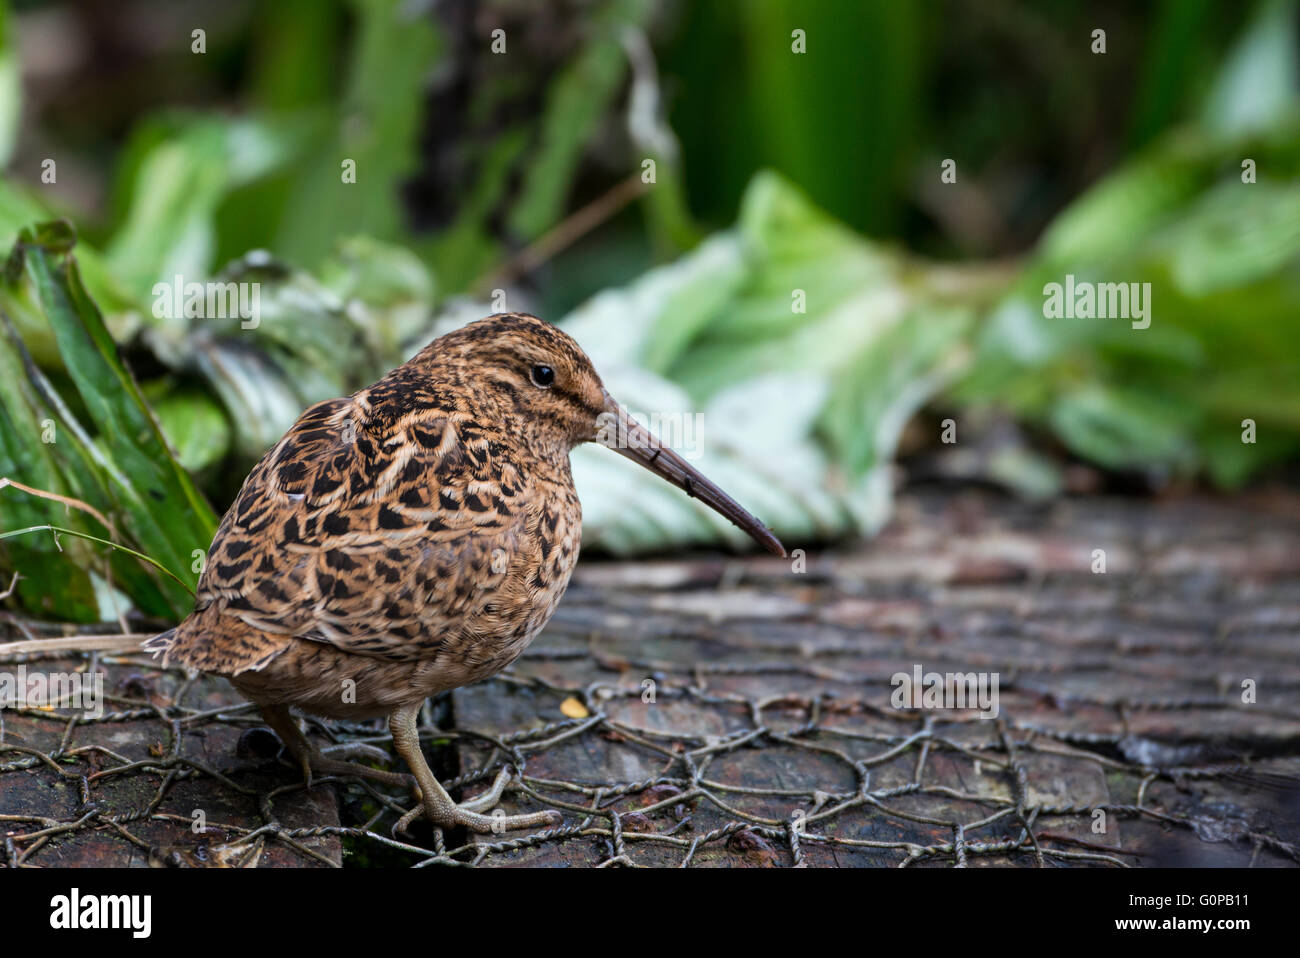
413	538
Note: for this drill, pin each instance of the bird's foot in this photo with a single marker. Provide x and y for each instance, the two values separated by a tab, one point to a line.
315	761
444	813
356	751
319	764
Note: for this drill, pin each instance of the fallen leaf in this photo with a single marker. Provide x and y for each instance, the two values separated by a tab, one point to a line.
573	708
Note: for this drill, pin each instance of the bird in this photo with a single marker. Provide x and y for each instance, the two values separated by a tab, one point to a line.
413	538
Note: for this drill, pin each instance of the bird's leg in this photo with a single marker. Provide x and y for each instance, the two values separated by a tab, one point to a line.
311	759
437	804
283	725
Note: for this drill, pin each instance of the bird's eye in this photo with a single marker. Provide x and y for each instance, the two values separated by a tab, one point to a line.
542	375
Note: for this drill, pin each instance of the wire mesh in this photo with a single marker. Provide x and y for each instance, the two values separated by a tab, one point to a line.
739	713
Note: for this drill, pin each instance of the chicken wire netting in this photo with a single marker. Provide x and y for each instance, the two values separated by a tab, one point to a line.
738	712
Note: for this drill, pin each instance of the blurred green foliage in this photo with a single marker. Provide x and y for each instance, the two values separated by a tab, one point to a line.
841	120
784	271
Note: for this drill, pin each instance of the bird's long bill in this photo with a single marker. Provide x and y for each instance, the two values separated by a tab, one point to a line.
629	438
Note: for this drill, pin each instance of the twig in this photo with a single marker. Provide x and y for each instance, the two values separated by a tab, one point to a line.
67	501
77	643
564	233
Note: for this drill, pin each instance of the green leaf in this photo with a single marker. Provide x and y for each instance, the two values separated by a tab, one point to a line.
1234	235
11	94
153	497
1257	85
1124	428
195	426
28	437
179	169
378	124
576	101
63	459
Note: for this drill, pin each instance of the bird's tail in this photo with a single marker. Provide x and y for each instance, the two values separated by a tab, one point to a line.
161	643
188	645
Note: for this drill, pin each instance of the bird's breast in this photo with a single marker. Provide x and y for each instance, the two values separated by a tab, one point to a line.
528	573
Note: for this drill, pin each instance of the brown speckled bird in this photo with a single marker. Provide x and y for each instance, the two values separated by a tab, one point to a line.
413	538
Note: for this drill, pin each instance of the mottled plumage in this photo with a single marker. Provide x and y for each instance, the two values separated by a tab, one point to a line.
411	538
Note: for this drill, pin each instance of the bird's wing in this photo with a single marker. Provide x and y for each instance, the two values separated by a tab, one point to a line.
376	540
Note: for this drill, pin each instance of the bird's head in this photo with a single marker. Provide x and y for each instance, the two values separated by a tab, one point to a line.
540	380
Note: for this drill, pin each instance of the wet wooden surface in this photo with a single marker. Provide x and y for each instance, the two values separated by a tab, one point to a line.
737	712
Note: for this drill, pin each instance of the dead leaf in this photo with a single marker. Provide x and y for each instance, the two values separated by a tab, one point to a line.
573	708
